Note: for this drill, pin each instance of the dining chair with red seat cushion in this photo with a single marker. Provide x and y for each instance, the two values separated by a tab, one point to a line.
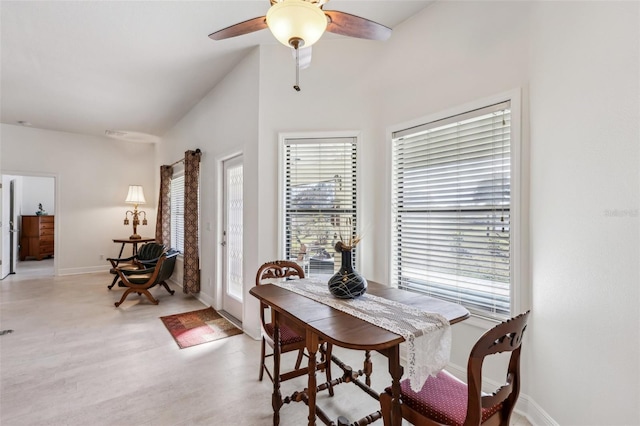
287	335
445	400
290	338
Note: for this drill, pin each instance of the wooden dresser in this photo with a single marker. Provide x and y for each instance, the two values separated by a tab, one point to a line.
36	238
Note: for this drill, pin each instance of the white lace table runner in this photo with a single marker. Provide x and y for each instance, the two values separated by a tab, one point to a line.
427	335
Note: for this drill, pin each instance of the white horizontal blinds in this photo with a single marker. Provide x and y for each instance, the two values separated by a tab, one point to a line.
320	200
177	213
451	206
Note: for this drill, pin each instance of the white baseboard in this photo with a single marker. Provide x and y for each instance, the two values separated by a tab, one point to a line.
205	299
84	270
533	412
252	335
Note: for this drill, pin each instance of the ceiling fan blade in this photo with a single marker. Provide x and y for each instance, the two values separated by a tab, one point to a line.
246	27
354	26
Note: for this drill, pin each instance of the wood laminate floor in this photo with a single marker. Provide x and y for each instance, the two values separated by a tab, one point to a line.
75	359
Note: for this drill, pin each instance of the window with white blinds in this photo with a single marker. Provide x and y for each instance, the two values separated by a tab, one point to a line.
319	200
177	213
452	210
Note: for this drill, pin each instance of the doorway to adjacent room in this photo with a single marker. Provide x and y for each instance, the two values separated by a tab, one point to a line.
27	196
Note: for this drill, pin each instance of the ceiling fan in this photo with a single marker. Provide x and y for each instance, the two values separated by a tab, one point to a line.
300	23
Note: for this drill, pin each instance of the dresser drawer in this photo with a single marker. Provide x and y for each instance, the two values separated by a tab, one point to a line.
44	226
46	239
46	248
47	232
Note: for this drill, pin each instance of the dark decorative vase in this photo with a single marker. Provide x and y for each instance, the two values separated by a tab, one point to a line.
347	283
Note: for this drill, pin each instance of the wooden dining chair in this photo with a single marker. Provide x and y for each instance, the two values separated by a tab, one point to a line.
291	338
445	400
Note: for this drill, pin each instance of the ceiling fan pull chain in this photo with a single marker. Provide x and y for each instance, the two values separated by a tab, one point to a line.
297	85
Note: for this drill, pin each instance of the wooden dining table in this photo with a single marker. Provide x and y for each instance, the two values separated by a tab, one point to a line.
319	323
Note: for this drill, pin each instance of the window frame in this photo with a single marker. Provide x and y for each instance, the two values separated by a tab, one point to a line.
518	278
282	141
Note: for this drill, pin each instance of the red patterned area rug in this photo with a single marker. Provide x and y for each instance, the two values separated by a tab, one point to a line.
197	327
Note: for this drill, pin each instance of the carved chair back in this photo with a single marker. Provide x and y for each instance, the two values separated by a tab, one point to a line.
277	270
505	337
446	400
149	254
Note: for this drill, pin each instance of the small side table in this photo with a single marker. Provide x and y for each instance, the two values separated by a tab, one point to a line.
134	243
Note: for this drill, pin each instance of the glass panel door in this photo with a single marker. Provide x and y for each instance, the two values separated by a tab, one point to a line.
232	237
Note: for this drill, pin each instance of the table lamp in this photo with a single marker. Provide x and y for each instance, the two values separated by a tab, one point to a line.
135	197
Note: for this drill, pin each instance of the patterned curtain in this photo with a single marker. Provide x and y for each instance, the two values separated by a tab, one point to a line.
163	220
191	283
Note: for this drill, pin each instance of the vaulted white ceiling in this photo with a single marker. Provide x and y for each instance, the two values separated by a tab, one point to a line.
139	66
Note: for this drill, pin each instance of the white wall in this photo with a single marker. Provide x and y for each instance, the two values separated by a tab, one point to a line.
383	85
223	124
584	340
330	100
37	190
576	65
92	175
451	55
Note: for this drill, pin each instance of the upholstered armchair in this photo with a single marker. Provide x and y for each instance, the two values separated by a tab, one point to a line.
147	257
141	280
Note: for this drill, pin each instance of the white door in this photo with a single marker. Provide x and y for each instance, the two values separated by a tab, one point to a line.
4	268
7	228
13	228
232	278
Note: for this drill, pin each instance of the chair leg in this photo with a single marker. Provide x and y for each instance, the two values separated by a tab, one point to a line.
115	279
327	355
299	359
150	297
124	296
166	286
385	407
262	356
130	290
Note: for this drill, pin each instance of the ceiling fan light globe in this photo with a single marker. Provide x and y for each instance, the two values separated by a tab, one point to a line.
296	19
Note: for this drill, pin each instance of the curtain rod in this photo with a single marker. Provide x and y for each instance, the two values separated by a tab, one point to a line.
197	151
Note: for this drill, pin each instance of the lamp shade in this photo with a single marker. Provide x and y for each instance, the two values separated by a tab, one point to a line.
135	195
296	20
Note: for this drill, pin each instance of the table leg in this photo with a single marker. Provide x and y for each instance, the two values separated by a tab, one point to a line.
276	399
395	369
312	349
121	249
368	367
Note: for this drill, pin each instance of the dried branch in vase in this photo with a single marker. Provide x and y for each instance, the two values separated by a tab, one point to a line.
342	246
